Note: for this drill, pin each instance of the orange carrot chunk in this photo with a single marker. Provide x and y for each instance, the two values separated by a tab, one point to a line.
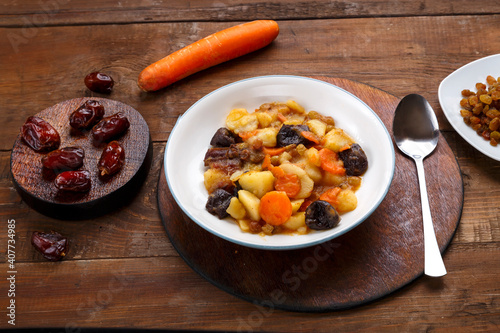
275	208
310	136
331	196
207	52
273	151
288	183
330	162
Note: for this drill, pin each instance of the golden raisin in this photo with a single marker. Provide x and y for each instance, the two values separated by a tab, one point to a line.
486	99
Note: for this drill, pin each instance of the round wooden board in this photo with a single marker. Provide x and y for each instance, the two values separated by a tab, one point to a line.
376	258
105	195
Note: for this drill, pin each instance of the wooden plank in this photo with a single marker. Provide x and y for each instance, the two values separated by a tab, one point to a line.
157	292
63	12
399	55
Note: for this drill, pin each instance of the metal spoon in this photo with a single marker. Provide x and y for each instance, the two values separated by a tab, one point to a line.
416	131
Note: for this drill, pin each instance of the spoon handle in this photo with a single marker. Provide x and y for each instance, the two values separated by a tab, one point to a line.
434	265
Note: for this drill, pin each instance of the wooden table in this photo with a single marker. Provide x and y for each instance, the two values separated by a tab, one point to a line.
122	270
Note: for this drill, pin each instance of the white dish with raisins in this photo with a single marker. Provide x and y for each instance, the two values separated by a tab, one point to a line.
190	139
450	95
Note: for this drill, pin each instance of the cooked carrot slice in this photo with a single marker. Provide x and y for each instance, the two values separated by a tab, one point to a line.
273	151
310	136
331	196
275	208
288	183
330	162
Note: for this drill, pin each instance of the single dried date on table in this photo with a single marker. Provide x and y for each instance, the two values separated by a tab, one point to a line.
112	159
73	181
53	246
109	128
40	135
99	82
87	115
64	159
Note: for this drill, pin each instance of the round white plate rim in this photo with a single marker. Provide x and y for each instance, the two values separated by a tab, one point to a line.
449	95
388	176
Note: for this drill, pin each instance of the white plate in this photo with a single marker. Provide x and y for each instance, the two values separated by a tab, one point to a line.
190	139
449	94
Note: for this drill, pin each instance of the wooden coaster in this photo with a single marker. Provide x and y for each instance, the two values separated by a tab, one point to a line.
376	258
39	191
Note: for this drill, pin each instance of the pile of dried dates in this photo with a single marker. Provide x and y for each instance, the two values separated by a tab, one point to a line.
65	163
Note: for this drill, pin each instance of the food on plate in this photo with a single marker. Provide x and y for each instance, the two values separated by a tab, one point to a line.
109	128
99	82
112	159
40	135
282	169
86	115
481	109
73	181
53	246
64	159
207	52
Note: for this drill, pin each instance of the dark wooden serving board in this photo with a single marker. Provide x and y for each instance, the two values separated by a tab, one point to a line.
105	194
376	258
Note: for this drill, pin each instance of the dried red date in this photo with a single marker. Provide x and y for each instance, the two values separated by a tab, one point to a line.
40	135
73	181
53	246
99	82
87	115
112	159
109	128
64	159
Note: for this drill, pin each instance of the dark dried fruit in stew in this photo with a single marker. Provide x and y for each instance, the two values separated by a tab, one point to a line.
64	159
223	138
99	82
40	135
112	159
321	215
53	246
87	115
73	181
355	160
291	135
109	128
218	202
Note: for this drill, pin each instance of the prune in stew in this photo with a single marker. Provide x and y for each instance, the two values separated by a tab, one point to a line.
64	159
321	215
53	246
291	134
223	138
40	135
355	160
217	203
99	82
87	115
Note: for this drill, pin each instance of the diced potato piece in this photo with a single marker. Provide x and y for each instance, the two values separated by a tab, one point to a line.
244	225
284	157
317	127
312	155
294	106
264	119
251	204
306	183
336	139
257	182
239	120
331	179
296	205
267	136
296	221
347	201
313	172
236	209
214	179
302	230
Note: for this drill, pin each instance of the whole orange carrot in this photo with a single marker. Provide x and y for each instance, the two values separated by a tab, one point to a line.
207	52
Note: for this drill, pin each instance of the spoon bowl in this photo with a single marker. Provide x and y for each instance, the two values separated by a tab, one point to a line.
416	133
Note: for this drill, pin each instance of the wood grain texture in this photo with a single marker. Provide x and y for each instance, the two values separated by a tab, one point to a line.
378	257
399	55
63	12
105	194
